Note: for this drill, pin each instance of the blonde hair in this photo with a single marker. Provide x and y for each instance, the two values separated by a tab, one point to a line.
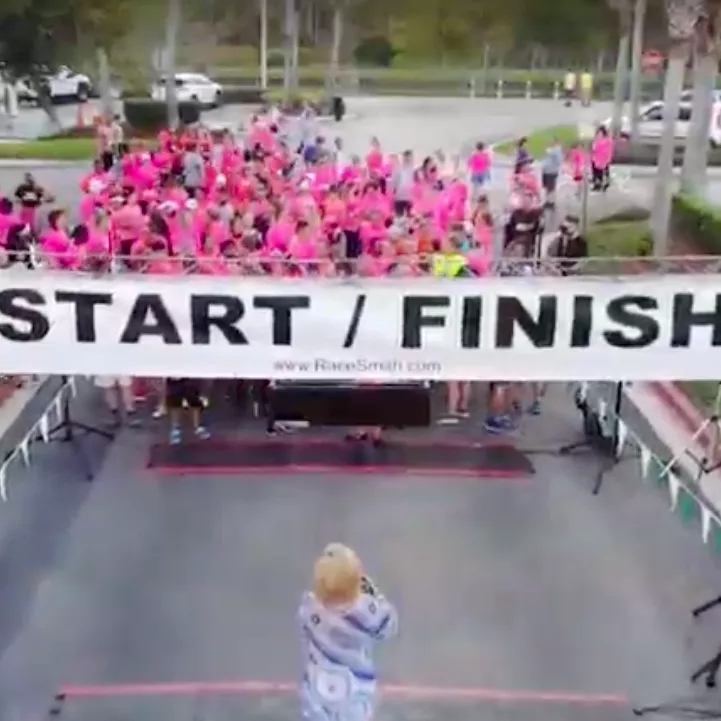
337	576
339	549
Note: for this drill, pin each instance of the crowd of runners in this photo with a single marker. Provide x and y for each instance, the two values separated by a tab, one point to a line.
279	199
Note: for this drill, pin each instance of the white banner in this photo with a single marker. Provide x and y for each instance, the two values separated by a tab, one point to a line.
630	328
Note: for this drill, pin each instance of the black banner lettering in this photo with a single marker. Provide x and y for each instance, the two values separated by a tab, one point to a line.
204	317
471	322
414	318
14	304
149	316
624	311
582	325
85	304
685	318
541	331
282	307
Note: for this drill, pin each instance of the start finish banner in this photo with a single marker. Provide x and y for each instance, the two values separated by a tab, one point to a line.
632	328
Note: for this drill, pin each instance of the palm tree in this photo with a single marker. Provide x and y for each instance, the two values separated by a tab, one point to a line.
264	44
106	96
289	24
332	79
706	57
624	9
639	17
172	28
682	17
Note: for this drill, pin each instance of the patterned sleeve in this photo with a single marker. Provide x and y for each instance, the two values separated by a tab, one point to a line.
374	616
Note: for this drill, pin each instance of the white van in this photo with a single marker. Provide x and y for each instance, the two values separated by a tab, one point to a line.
191	87
651	120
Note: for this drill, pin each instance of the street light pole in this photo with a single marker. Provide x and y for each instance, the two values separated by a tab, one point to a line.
586	131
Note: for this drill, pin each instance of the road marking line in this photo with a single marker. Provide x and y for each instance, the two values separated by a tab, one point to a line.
407	691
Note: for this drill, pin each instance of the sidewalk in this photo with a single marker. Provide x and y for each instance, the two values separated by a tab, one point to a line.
14	400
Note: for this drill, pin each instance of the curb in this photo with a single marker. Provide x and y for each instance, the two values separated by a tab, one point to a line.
679	404
19	163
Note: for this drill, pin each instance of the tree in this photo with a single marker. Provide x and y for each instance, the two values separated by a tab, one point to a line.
172	28
35	35
32	32
339	7
289	30
263	44
103	23
624	10
682	17
706	58
639	18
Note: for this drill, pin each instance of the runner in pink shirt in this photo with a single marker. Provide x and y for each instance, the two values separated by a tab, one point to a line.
479	168
98	234
601	156
8	218
58	248
579	163
374	158
280	234
127	223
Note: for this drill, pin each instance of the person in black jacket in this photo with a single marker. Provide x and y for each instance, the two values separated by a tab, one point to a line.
524	226
569	246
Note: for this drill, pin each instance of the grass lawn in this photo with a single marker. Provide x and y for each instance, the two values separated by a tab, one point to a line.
49	149
614	243
702	393
277	95
633	238
627	239
417	73
540	139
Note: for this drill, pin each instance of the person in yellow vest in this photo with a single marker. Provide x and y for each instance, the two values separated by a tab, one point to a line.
586	88
569	88
450	262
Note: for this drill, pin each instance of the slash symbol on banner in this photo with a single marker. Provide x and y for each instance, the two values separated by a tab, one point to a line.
352	332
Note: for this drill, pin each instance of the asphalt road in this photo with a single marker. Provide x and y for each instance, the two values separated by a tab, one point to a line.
164	598
395	117
424	124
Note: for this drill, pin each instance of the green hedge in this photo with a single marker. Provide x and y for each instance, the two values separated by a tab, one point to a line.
242	95
698	221
375	51
620	239
628	153
150	116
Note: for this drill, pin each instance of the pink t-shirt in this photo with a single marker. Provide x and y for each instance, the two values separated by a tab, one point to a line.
374	160
479	162
279	235
602	151
7	222
128	222
61	252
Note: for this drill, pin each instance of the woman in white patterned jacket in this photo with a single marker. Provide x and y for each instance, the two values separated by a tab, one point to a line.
341	619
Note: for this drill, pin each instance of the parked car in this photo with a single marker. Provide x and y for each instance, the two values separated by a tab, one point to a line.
64	84
651	120
191	87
